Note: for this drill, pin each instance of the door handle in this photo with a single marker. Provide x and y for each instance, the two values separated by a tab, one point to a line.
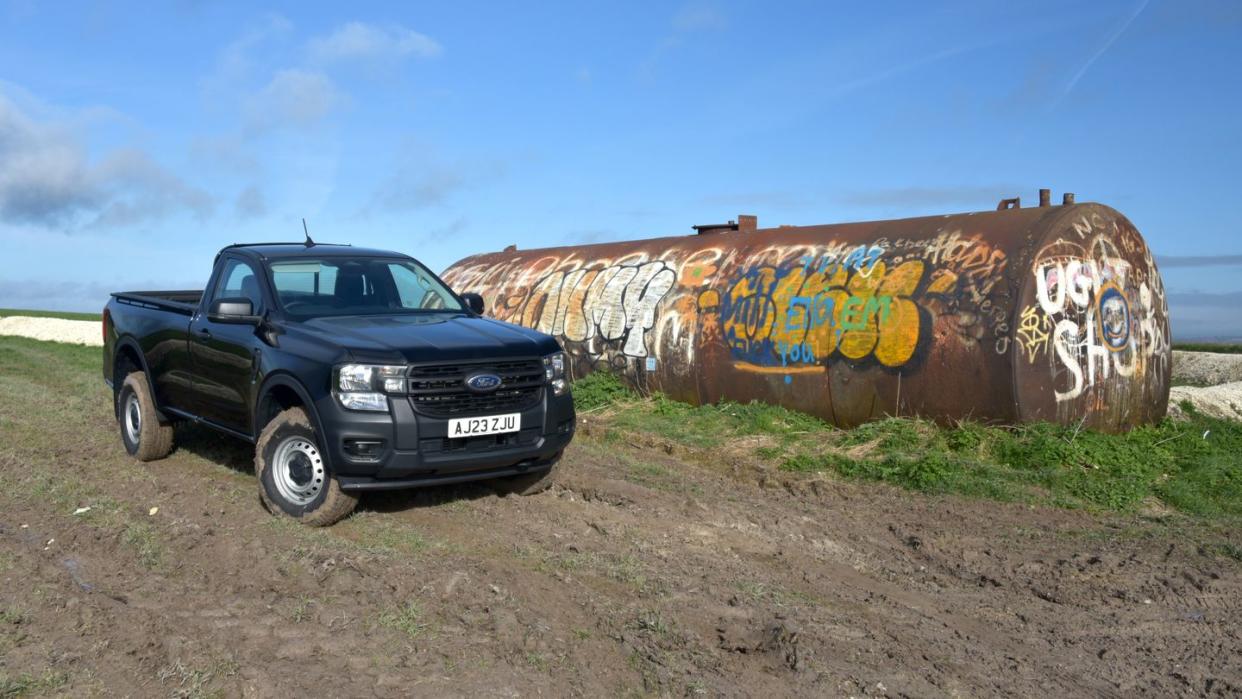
203	333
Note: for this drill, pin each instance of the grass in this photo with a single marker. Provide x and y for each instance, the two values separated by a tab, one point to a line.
1221	347
67	315
24	684
144	540
407	619
193	682
1194	467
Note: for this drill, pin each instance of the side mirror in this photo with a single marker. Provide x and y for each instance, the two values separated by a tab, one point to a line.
474	302
232	310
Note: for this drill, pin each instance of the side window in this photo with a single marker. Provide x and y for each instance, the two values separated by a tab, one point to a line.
416	290
238	280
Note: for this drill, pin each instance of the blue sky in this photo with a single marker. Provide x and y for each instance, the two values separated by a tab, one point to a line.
136	140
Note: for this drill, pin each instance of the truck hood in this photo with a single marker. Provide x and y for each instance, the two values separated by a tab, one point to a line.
429	337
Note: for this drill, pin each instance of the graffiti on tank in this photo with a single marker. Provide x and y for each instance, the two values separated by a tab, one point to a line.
967	272
1033	332
808	314
1076	323
1102	311
613	305
861	259
793	307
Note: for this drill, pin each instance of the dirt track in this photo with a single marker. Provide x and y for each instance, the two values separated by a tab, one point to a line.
641	573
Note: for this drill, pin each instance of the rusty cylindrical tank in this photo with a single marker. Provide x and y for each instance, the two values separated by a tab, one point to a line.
1052	313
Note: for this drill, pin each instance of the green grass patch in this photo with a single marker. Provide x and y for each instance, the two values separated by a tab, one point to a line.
600	389
144	540
407	619
26	684
1194	467
67	315
693	426
1219	347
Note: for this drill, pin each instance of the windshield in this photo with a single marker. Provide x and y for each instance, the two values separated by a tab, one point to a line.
346	286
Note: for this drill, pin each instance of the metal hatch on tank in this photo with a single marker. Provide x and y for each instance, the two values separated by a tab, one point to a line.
1020	314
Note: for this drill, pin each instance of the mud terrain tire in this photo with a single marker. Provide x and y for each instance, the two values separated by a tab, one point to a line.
529	483
294	478
144	435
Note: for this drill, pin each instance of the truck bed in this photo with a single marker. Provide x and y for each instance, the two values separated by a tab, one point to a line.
184	302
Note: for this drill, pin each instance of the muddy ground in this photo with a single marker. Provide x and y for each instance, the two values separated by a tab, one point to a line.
642	572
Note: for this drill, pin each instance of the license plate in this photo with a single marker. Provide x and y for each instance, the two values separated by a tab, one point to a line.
475	426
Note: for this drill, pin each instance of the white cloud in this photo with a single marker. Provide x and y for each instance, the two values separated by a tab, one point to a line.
699	16
420	180
359	41
47	179
293	97
235	64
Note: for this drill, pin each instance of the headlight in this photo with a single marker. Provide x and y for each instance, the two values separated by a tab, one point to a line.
554	372
363	386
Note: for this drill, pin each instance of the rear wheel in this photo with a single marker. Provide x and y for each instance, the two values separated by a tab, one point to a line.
294	478
529	483
146	438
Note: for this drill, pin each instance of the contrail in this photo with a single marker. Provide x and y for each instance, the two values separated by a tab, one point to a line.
1100	52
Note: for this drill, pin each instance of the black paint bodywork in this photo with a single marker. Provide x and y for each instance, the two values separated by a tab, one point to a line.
233	377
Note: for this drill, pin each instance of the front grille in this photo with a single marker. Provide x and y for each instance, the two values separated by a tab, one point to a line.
440	389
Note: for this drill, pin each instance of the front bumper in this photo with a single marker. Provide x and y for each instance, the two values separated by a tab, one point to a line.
405	448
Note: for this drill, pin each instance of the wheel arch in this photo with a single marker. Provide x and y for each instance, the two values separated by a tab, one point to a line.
129	354
280	392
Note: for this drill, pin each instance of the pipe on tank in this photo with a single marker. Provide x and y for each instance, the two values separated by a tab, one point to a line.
1015	315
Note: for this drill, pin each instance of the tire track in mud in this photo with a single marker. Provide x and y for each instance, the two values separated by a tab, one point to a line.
677	580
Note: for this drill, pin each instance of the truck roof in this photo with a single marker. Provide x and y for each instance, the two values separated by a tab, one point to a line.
283	250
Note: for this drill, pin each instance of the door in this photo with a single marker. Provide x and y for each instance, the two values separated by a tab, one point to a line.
225	355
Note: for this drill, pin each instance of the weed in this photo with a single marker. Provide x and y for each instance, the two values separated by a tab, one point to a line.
537	660
757	592
11	687
192	682
406	619
1229	550
142	538
11	616
301	611
651	622
769	452
600	389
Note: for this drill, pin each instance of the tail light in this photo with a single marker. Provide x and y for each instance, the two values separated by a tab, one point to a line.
103	326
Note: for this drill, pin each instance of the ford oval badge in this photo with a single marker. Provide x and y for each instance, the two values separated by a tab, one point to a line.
482	383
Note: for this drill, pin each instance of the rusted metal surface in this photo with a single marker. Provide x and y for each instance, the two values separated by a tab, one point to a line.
1051	313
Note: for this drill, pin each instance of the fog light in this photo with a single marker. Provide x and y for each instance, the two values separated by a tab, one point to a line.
559	387
364	448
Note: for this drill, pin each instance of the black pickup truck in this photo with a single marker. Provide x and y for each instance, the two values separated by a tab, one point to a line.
349	369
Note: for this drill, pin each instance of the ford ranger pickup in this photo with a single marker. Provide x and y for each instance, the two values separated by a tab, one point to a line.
349	370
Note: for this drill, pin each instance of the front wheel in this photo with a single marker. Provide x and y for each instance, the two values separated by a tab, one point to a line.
294	479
